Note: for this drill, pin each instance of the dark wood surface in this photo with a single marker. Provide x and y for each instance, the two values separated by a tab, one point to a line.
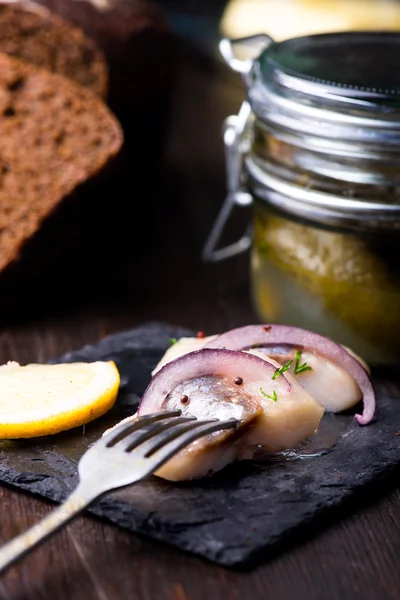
357	556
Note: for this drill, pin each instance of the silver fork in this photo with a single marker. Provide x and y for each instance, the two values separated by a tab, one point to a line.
125	455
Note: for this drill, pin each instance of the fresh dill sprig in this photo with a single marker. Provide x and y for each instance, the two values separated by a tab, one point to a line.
280	371
274	396
300	368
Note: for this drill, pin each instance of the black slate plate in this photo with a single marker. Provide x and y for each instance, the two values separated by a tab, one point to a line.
240	514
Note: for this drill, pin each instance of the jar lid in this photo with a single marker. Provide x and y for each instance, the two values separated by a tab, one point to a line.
347	65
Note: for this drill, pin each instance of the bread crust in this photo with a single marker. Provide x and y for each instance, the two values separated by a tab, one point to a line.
33	33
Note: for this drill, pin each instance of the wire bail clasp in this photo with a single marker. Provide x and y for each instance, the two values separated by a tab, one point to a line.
236	145
236	136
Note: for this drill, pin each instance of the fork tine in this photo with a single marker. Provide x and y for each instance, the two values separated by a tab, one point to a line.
176	438
134	439
113	436
163	454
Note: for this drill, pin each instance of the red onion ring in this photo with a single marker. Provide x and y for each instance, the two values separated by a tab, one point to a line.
251	336
203	362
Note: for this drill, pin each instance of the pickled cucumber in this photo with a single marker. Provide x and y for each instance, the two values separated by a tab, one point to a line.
341	284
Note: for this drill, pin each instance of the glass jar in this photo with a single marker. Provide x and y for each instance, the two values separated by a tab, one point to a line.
316	149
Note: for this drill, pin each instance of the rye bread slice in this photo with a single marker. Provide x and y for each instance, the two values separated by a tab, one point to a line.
54	136
144	55
33	33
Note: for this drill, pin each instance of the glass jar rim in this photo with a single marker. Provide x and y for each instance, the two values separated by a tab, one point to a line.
334	64
284	82
319	116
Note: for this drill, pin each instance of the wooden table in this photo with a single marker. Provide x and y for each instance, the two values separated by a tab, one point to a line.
356	557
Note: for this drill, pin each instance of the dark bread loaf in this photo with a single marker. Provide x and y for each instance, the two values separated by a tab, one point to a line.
143	57
54	136
31	32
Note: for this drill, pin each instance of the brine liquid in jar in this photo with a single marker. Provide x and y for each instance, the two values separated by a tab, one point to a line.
339	283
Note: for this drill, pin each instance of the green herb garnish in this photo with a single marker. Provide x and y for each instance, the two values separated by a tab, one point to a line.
172	341
280	371
274	396
298	368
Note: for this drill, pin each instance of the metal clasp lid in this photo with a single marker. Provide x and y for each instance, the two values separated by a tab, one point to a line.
236	144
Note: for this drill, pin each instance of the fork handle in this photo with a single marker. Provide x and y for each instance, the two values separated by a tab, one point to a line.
79	499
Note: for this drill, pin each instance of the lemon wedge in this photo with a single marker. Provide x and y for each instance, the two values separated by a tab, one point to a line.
38	400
